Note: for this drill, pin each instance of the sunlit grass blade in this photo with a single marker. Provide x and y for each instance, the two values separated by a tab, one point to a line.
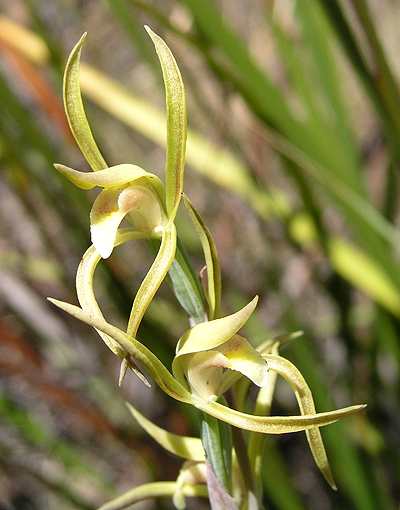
319	42
277	482
24	40
358	268
379	82
363	214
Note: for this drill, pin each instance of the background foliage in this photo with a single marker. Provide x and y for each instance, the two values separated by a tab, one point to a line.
293	160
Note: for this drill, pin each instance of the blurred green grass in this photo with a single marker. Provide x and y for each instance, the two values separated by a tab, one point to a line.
293	159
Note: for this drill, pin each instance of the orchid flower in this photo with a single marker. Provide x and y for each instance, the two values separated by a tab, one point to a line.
209	352
212	356
128	191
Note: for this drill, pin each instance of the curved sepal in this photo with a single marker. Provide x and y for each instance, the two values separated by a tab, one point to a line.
189	448
76	113
109	177
153	279
274	424
84	285
306	403
176	124
211	257
160	374
209	335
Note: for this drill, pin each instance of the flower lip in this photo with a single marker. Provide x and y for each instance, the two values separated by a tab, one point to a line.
138	202
211	373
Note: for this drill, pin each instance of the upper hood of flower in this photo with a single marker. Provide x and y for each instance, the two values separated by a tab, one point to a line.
128	191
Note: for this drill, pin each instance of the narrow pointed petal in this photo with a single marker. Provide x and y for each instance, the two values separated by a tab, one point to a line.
128	363
212	262
84	283
75	112
209	335
88	302
153	279
189	448
86	297
305	400
143	356
271	345
176	124
87	267
109	177
122	370
275	424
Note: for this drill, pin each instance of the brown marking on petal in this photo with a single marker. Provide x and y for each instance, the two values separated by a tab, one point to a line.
131	198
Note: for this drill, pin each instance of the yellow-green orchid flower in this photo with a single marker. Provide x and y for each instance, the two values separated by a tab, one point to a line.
209	352
178	389
129	191
210	357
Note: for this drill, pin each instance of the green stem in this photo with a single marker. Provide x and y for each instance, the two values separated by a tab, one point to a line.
216	437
